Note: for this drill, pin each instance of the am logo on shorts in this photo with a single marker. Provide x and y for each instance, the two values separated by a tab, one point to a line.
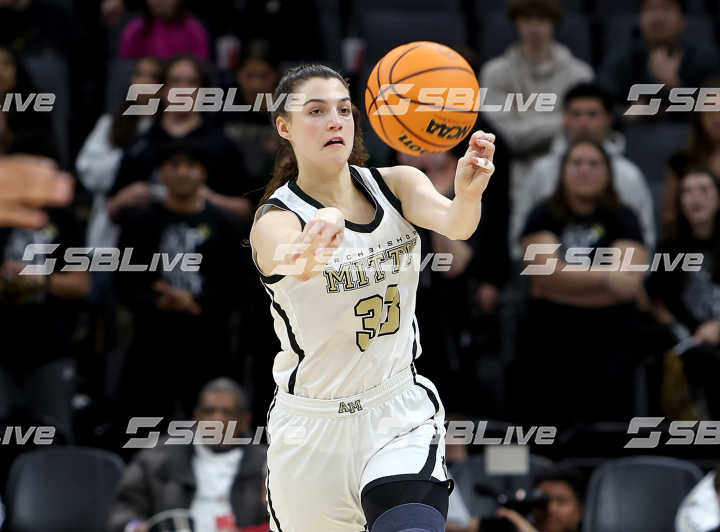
350	408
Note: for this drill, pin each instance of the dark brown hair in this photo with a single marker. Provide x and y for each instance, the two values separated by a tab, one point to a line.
608	200
536	8
285	163
700	147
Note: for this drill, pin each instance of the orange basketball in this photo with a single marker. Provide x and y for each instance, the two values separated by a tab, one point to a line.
421	98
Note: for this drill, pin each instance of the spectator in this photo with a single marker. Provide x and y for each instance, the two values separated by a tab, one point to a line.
179	313
537	63
703	149
225	166
27	131
39	313
566	358
689	302
99	158
220	483
661	53
465	300
256	75
165	29
565	488
587	113
700	510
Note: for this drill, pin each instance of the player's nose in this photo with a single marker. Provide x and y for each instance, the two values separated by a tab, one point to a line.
334	120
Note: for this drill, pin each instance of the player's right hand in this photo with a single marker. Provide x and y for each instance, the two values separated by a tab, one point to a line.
320	237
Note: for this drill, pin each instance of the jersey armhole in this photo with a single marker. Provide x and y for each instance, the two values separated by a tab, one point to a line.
261	210
392	198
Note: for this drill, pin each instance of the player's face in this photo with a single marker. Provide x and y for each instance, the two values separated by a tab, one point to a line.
586	118
534	31
586	173
661	21
8	72
563	512
183	176
698	198
322	131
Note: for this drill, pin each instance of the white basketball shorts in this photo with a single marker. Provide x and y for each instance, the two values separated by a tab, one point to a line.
324	454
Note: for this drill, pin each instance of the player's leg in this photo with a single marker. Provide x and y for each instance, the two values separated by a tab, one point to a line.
406	505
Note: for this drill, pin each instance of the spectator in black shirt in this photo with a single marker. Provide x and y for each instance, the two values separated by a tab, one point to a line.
578	343
689	302
26	131
226	174
180	315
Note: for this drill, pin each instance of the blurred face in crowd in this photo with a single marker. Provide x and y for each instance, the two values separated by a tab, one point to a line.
586	174
710	122
698	198
8	72
325	115
183	176
164	8
563	512
182	74
223	406
586	118
439	167
256	77
534	31
661	21
147	71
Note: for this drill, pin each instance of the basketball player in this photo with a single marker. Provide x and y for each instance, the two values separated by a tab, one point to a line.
356	435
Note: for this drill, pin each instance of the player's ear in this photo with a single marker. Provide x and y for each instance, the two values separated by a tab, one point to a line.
281	124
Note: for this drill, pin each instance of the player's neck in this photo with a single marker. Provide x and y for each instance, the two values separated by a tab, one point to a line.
331	188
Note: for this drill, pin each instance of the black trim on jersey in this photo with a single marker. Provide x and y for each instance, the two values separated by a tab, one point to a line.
293	341
352	226
271	279
432	397
267	417
392	198
408	476
269	498
414	352
427	469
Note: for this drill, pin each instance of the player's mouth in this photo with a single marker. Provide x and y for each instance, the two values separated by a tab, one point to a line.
335	140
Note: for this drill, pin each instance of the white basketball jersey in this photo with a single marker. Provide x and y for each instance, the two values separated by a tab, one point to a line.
352	326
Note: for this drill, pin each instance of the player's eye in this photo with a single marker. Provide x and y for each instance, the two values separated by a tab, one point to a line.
315	111
345	110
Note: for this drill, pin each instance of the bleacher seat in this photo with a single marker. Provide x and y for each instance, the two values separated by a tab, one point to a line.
66	489
641	494
573	6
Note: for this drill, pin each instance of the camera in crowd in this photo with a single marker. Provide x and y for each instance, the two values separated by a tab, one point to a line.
522	501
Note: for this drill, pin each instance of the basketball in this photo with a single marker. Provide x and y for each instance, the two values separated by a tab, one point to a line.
421	98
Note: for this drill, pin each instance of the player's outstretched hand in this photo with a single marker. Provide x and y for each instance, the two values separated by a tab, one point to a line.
27	184
318	240
475	167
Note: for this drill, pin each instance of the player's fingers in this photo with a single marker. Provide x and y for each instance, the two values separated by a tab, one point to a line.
17	215
312	229
483	164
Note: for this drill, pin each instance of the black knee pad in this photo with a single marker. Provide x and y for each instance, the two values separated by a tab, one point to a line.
378	499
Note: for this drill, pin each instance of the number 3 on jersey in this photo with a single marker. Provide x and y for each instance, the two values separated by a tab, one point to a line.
370	310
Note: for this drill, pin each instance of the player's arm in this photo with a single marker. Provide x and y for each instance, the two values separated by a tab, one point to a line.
424	206
282	247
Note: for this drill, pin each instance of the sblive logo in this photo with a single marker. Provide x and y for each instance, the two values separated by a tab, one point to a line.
38	435
104	260
680	433
350	408
682	99
205	99
188	432
42	102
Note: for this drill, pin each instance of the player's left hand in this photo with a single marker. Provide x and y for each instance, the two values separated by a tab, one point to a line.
475	167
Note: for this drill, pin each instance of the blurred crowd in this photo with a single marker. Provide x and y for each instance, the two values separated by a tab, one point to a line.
86	351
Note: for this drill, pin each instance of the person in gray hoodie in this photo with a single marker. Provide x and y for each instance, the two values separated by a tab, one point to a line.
535	64
587	113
